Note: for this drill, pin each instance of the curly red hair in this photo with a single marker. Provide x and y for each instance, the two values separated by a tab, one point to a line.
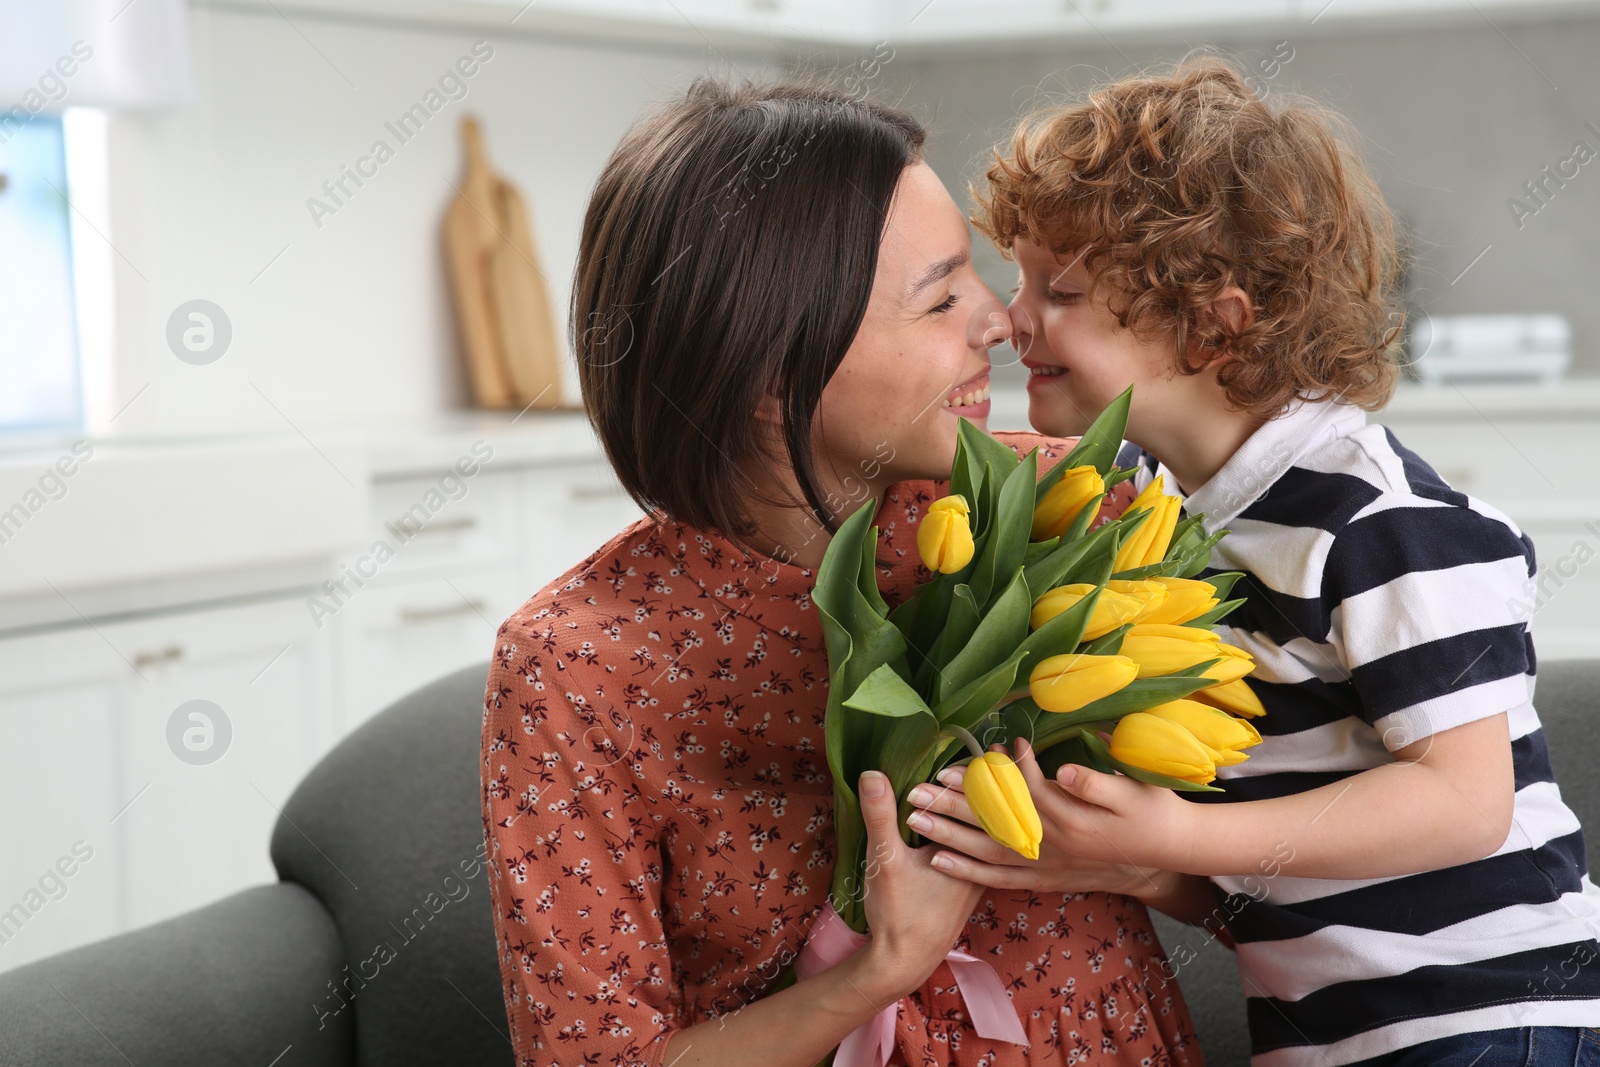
1184	182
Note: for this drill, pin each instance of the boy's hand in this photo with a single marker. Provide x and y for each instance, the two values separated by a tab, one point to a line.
1107	834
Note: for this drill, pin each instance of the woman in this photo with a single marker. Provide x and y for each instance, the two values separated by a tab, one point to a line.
777	319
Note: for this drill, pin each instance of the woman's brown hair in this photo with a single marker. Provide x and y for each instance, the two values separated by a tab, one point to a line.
1184	182
728	252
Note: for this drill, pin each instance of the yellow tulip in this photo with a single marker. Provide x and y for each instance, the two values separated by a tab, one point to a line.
945	536
1236	697
999	797
1162	747
1187	598
1058	509
1112	610
1159	655
1163	538
1148	544
1071	681
1197	634
1224	735
1152	594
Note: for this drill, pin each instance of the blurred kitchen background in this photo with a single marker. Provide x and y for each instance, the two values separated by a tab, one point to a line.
248	495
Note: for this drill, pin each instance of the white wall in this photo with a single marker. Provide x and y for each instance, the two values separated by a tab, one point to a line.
1453	120
352	322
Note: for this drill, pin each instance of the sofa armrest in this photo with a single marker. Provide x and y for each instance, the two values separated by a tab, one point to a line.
237	982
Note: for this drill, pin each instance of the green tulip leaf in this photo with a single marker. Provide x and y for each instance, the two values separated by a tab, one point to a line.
884	692
961	620
1099	444
1118	475
907	745
966	473
1107	644
1215	615
1061	566
1223	582
985	448
1167	568
1200	557
921	617
1072	750
997	635
979	697
1038	550
1004	549
867	580
1015	721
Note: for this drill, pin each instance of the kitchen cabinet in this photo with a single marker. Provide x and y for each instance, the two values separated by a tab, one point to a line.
943	25
229	710
437	603
60	880
173	801
154	727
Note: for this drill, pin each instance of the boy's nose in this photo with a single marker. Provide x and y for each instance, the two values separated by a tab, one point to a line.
1021	327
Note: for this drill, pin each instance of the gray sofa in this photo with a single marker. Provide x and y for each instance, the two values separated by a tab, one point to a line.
375	848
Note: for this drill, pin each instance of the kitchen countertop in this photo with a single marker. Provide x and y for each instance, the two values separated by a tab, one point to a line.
1574	399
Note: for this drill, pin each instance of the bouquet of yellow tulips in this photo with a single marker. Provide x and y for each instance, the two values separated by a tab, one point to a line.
1092	641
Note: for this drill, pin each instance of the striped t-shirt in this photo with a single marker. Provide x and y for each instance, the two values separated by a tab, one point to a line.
1383	607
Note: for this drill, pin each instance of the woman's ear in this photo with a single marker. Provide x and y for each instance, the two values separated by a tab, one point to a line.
769	411
1233	309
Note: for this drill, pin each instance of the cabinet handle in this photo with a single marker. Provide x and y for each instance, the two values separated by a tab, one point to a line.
447	526
160	655
595	492
425	614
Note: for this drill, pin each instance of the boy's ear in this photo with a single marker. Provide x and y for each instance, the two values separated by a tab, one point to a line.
1232	307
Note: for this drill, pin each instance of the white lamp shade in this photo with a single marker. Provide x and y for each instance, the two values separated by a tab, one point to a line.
122	54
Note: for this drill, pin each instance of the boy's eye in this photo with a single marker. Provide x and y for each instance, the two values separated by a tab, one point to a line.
944	305
1058	297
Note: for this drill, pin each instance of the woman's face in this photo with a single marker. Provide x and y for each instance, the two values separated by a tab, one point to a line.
921	356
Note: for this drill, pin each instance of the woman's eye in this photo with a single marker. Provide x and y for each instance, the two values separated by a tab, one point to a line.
944	305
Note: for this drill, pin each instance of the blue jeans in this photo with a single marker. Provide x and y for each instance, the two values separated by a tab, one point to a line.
1529	1046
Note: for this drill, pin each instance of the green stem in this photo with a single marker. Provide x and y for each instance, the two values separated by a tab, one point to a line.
966	737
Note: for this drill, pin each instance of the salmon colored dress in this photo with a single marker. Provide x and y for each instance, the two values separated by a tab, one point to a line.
659	814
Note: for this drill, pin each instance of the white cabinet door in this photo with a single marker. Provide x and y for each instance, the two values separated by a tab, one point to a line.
174	801
407	633
227	711
60	794
440	525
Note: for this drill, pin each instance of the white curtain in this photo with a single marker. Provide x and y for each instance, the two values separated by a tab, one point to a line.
121	54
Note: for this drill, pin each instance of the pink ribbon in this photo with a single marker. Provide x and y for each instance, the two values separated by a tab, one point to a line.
869	1045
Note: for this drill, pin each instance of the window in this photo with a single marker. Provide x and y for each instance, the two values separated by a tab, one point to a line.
38	333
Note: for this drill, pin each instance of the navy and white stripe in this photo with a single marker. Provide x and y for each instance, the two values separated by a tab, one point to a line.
1384	607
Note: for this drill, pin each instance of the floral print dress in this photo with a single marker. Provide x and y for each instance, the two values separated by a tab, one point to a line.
658	808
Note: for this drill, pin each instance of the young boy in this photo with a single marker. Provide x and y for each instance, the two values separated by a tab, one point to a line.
1396	867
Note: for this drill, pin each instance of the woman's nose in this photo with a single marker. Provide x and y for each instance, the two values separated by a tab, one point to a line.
990	324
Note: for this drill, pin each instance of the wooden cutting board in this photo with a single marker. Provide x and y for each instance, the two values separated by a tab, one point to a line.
502	300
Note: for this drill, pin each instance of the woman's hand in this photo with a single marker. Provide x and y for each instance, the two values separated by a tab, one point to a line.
914	911
1102	833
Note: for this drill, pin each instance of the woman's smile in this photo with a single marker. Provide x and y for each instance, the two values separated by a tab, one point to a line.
970	399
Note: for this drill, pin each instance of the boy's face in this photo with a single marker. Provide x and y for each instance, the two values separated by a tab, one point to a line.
1079	357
